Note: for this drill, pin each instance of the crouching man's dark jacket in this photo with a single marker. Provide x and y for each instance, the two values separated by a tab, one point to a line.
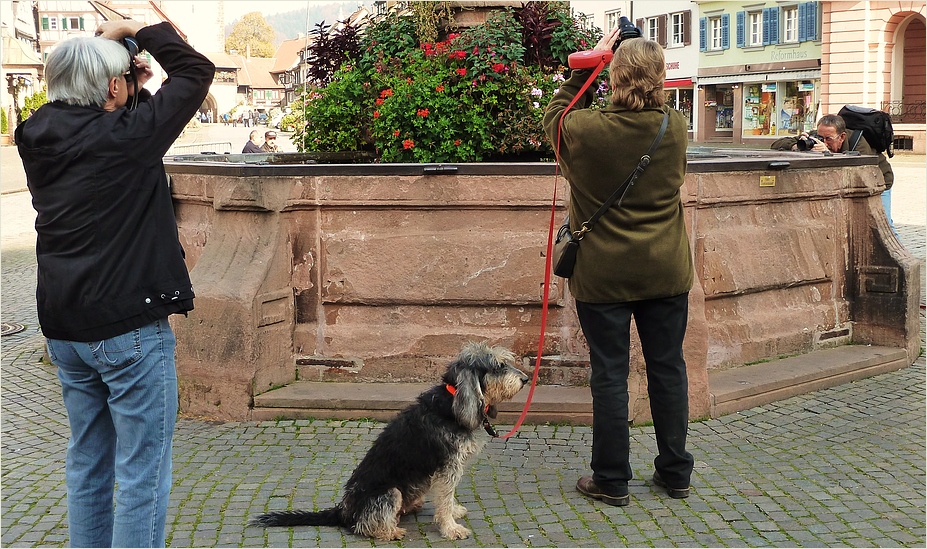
109	257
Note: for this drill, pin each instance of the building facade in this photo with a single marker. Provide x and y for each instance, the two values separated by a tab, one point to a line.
759	75
873	54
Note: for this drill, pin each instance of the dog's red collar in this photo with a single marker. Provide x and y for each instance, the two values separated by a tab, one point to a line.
487	426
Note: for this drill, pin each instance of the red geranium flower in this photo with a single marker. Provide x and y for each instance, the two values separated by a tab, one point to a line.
498	67
422	112
396	133
408	144
386	93
379	101
457	142
376	114
462	72
440	88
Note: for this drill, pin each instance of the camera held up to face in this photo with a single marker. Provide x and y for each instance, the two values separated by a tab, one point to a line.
626	30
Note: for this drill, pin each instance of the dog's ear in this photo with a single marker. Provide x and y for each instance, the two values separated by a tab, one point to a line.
468	400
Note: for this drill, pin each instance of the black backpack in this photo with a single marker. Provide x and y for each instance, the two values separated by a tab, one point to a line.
874	125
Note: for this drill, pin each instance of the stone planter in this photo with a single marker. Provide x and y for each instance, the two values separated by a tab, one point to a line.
380	272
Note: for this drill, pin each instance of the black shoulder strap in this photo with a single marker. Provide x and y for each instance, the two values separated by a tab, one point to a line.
854	139
623	189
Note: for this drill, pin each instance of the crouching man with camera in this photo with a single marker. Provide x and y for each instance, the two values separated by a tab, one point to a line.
111	268
832	137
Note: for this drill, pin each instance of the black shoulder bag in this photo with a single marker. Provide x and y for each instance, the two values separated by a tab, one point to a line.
567	244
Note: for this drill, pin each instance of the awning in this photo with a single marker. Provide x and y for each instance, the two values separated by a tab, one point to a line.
677	83
810	74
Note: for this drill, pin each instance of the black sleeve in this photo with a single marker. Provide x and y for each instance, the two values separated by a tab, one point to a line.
163	117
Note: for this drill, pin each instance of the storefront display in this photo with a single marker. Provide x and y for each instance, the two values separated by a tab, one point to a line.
681	100
778	108
797	112
721	98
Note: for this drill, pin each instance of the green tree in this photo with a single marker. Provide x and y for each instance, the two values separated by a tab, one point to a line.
251	31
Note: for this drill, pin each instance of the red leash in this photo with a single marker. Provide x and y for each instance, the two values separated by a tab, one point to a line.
604	57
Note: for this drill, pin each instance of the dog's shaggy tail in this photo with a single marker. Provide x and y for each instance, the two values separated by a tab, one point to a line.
328	517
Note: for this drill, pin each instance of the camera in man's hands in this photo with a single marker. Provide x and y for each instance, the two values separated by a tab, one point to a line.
131	46
808	143
626	30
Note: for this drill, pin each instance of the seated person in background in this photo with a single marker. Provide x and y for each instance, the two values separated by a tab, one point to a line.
270	142
251	146
834	138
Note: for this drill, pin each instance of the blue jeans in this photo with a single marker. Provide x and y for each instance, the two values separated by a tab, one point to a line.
121	398
887	205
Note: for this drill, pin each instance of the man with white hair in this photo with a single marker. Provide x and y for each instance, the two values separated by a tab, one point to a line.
111	267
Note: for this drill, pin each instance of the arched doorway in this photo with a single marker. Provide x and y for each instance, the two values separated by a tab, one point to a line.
209	108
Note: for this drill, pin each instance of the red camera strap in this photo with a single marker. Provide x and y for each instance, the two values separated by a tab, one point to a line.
550	249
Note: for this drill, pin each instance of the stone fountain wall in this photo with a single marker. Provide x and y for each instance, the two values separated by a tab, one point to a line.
380	273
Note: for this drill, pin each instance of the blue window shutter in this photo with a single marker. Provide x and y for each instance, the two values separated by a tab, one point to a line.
702	33
802	10
725	31
741	28
812	21
765	26
773	25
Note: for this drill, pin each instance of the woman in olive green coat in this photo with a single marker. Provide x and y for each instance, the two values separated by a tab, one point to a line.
635	262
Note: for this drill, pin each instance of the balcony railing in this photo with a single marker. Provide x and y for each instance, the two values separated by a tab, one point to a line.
906	112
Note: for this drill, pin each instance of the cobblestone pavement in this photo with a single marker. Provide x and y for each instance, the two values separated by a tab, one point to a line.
843	466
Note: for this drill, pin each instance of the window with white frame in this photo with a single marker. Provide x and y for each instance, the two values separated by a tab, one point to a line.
652	29
53	23
611	20
790	24
679	30
755	28
715	42
74	23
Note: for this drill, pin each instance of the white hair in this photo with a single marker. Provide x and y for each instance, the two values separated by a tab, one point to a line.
78	70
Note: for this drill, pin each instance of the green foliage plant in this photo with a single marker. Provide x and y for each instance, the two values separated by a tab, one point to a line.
31	103
4	125
470	97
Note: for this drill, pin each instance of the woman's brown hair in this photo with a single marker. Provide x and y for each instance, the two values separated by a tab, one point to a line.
637	73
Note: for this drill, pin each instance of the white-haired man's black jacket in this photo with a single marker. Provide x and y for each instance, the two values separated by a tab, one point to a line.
109	257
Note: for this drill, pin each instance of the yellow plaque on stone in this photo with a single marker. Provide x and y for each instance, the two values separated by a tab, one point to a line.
767	181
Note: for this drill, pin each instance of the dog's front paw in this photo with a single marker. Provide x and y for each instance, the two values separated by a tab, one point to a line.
455	531
459	511
391	534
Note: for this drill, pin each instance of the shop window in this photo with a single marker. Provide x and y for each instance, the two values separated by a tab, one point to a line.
721	99
760	109
681	100
796	113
